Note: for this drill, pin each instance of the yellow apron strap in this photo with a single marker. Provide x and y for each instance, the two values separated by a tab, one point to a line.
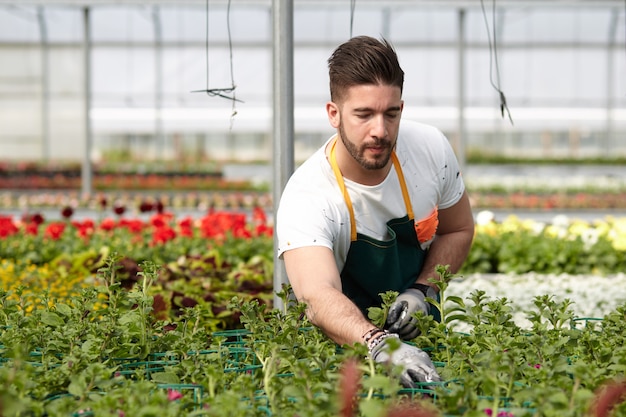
344	190
405	191
346	196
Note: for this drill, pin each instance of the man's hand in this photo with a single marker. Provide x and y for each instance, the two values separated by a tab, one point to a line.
400	318
416	364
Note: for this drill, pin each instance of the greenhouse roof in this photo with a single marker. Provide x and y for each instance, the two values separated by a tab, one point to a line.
327	3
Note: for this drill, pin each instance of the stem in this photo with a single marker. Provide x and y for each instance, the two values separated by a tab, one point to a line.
509	387
370	392
211	387
268	373
495	405
267	378
574	389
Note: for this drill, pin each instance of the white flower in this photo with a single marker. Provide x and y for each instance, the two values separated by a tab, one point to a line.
589	237
485	217
561	220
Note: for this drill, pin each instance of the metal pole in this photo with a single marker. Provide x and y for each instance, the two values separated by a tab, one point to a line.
461	93
158	83
45	85
610	81
283	119
86	171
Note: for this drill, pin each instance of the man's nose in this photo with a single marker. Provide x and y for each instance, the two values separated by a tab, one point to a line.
378	128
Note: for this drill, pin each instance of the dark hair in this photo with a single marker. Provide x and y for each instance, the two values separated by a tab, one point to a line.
363	60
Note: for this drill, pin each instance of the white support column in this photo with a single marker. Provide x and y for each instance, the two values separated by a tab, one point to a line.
45	84
462	133
283	118
86	171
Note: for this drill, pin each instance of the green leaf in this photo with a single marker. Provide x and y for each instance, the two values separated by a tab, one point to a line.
51	319
63	309
460	317
559	398
77	387
456	300
130	317
165	378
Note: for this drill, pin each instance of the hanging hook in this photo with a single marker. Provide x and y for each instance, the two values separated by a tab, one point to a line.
220	92
493	58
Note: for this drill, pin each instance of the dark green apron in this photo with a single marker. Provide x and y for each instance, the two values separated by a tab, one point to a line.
374	266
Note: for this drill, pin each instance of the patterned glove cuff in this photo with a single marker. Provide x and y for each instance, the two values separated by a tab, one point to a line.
375	337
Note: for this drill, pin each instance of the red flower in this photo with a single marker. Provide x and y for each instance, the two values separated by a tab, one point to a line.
31	228
185	231
489	412
108	224
264	230
85	228
186	222
7	227
173	395
161	219
163	234
145	206
218	224
159	206
134	225
258	216
119	209
103	202
54	230
67	212
36	218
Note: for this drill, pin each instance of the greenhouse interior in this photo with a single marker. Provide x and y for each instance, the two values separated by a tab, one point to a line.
145	146
158	79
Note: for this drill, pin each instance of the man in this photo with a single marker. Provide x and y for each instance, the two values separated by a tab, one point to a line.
377	208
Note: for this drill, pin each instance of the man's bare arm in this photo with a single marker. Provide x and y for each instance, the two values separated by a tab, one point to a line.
453	240
315	280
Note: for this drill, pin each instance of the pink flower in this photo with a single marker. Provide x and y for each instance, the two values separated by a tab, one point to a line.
489	412
173	395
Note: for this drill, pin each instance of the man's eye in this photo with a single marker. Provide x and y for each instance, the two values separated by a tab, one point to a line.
392	115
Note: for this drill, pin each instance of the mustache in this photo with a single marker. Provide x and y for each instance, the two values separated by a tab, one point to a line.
378	143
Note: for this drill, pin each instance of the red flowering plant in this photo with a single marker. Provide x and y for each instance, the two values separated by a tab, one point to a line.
203	260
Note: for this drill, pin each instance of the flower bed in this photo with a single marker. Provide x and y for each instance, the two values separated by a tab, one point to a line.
172	316
231	195
89	357
235	249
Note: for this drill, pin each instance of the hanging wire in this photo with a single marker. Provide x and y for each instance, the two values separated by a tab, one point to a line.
352	8
129	63
493	59
220	92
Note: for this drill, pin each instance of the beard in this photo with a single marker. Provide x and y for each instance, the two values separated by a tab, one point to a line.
358	152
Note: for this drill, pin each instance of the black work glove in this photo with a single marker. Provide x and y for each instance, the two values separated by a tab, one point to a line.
400	317
416	364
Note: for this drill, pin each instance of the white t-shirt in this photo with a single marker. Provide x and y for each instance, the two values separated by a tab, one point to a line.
312	211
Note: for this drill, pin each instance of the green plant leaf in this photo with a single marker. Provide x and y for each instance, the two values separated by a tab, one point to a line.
51	319
165	378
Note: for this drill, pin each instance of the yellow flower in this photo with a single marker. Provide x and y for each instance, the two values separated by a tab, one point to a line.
36	281
617	233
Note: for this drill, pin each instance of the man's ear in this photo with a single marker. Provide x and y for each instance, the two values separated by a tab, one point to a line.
334	116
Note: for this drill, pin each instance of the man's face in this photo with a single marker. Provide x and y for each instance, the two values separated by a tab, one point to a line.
368	119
